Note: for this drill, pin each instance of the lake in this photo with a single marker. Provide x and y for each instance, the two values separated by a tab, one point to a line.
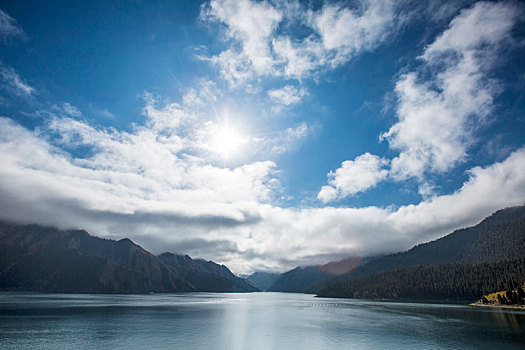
248	321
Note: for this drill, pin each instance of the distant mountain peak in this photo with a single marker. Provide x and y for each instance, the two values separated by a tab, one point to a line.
38	258
341	266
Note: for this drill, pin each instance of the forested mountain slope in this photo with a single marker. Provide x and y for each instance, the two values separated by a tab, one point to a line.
460	266
499	237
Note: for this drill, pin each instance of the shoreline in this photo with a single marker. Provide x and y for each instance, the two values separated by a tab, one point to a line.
511	307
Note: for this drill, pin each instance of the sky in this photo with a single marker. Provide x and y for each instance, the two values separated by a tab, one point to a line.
262	135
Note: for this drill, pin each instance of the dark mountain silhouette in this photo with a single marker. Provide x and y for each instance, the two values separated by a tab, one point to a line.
206	276
300	280
37	258
262	280
306	279
500	236
345	265
465	263
444	282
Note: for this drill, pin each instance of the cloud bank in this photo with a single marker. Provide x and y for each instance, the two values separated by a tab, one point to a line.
142	185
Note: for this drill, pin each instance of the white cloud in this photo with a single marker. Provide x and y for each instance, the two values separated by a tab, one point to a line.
346	32
9	27
141	186
282	141
427	190
129	173
165	166
250	23
316	235
256	48
12	83
327	194
287	95
106	113
298	60
486	23
364	172
71	110
438	118
206	93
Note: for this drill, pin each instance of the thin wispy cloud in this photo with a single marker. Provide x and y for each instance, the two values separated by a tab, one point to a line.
287	95
12	84
9	27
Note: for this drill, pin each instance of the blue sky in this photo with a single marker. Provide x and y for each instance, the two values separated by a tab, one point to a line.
262	134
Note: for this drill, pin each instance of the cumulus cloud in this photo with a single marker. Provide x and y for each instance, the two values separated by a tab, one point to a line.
311	234
336	33
426	190
251	24
354	176
486	23
287	95
154	183
164	169
129	174
345	32
438	118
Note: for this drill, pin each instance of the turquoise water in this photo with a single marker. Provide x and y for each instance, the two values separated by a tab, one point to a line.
248	321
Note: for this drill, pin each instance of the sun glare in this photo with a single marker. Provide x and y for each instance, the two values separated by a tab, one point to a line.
227	141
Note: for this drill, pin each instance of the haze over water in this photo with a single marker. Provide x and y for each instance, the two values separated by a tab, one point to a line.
248	321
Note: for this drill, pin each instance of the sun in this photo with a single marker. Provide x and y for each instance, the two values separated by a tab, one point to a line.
227	141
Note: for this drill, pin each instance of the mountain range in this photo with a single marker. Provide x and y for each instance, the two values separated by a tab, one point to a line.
45	259
462	265
261	279
304	279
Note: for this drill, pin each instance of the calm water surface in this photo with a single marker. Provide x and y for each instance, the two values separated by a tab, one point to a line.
248	321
